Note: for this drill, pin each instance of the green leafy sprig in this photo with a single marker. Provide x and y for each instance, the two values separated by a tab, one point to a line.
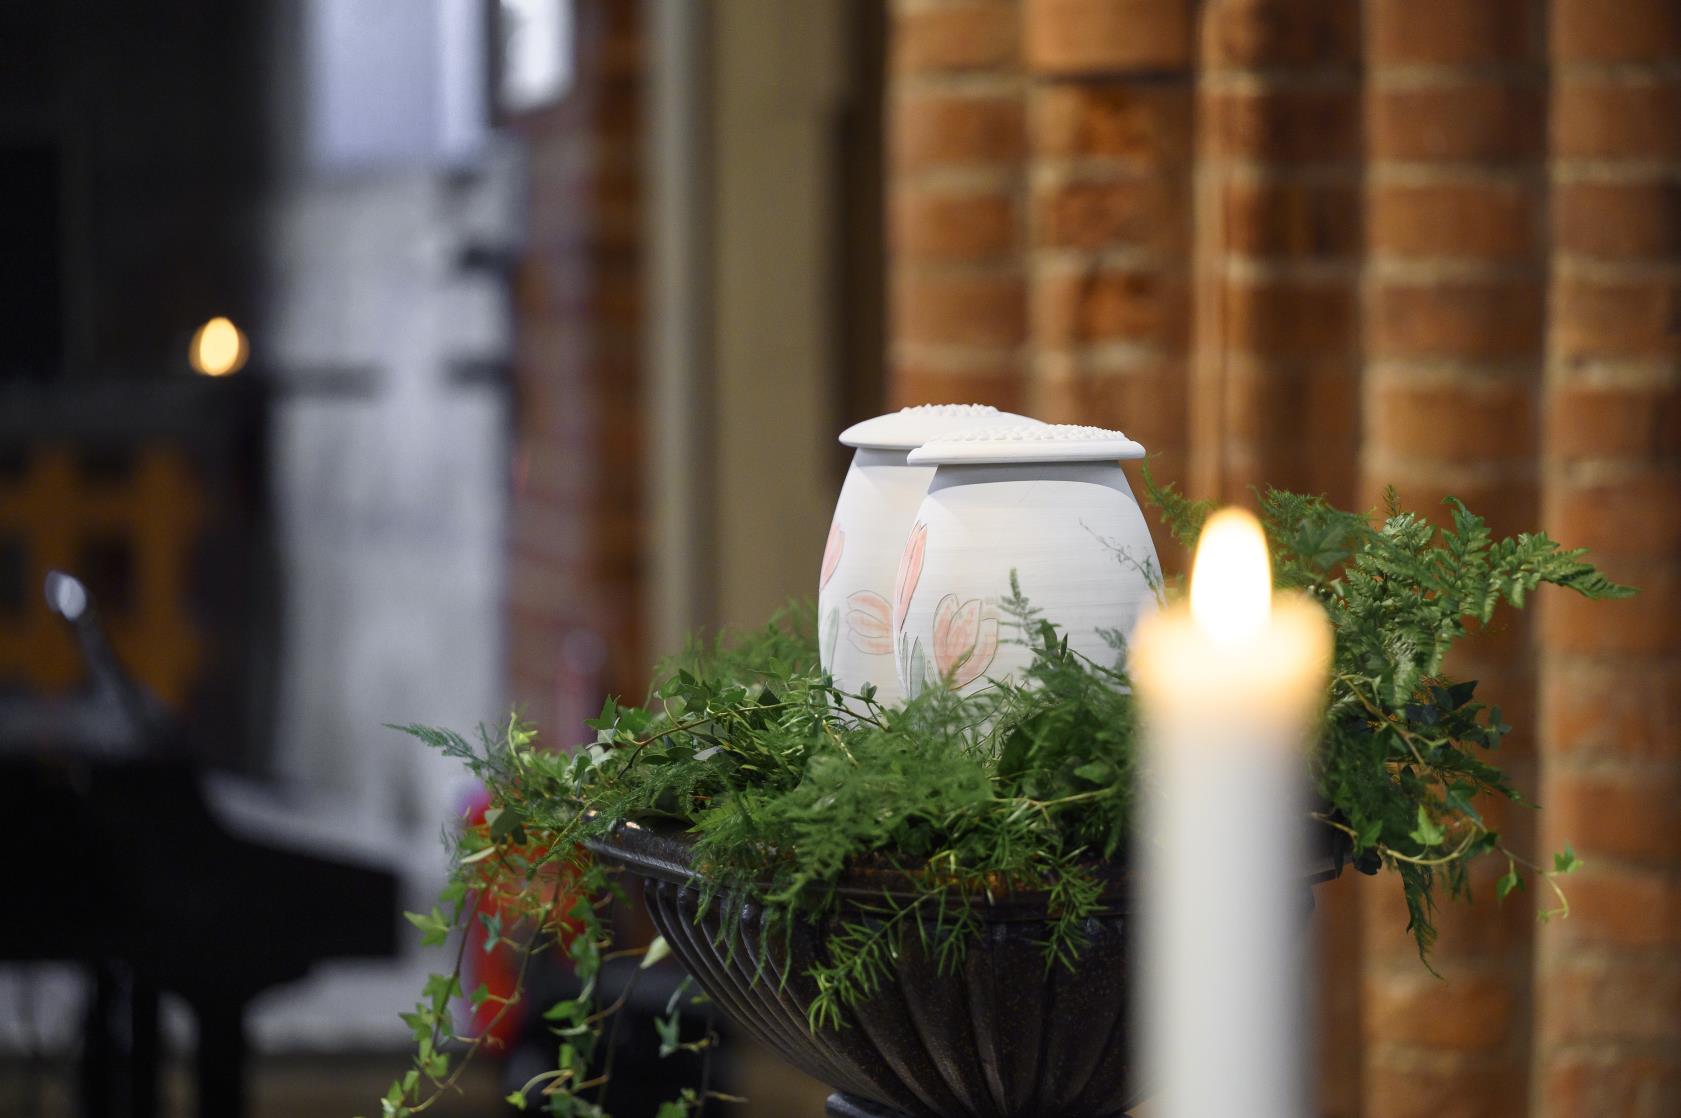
1403	760
791	786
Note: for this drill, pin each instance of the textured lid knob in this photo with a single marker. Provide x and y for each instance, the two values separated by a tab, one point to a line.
1047	442
909	428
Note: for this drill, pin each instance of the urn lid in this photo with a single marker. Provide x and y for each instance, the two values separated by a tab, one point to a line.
1047	442
909	428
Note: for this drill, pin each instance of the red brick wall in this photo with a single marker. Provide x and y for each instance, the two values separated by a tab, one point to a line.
1323	243
957	143
1039	211
1338	244
1455	296
1276	386
575	552
1109	145
1608	980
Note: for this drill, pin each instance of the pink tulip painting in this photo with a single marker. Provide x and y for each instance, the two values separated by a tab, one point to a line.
965	641
869	623
828	632
912	664
910	570
831	554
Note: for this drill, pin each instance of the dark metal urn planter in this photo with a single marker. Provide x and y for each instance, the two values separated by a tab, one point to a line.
1002	1037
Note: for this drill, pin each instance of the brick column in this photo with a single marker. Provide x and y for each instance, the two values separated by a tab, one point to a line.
1454	309
576	546
956	282
1608	979
1274	391
1110	106
1275	382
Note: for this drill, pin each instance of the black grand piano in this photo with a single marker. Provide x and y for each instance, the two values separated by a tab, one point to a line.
129	858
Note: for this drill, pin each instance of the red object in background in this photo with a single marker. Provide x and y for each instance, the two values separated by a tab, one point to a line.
498	968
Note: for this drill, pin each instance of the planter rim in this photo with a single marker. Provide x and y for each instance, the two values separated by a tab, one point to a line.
665	852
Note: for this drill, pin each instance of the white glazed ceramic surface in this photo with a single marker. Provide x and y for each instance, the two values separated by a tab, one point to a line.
876	506
995	443
908	428
1072	532
877	503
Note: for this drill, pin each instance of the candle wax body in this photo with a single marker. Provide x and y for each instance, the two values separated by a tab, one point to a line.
1226	921
1224	899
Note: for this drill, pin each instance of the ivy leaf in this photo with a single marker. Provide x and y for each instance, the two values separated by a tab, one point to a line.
1459	694
586	958
1428	832
683	987
657	950
503	821
1097	772
433	929
1566	861
1507	883
492	922
440	988
669	1030
567	1010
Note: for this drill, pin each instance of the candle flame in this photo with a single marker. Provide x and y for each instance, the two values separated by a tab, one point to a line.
1231	578
218	348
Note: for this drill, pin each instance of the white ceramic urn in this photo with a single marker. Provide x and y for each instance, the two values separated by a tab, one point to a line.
1049	503
877	503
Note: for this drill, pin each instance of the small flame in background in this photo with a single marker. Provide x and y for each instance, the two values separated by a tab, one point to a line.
218	348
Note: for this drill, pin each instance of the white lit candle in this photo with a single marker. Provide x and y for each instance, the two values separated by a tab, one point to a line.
1229	688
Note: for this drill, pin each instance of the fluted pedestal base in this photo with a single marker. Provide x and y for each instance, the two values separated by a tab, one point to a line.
845	1106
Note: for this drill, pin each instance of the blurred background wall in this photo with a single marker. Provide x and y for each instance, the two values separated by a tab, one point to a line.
311	545
1320	244
555	307
1336	245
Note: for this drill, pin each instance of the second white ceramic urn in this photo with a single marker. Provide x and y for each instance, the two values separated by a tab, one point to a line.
877	504
1050	504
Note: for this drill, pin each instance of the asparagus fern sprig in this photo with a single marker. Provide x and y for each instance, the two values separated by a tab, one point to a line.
789	784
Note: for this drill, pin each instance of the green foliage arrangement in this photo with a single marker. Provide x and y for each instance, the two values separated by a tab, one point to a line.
787	783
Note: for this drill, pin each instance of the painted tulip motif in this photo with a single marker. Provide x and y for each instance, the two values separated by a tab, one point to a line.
828	634
869	623
831	554
965	640
912	664
910	571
